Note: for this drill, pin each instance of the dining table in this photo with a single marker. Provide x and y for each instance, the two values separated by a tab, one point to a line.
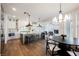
66	42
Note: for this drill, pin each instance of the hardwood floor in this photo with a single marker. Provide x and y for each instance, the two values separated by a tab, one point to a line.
15	48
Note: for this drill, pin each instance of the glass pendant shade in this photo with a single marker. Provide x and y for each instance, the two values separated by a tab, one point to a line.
60	15
39	23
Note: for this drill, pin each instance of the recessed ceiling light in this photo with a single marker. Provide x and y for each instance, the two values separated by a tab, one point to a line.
14	9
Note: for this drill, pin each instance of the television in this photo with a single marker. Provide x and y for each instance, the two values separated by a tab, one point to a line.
56	31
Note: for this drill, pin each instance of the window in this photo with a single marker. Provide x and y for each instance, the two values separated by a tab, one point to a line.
78	25
68	27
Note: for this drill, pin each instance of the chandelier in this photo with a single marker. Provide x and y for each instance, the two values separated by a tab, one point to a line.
29	24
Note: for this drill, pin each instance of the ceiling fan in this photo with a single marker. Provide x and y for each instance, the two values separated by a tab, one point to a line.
29	24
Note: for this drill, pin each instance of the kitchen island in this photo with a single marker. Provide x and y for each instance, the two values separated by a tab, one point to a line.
27	38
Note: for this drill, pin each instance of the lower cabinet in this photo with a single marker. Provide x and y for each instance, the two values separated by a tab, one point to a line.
28	38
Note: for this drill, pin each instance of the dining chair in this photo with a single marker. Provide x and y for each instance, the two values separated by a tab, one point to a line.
72	54
63	49
74	51
51	47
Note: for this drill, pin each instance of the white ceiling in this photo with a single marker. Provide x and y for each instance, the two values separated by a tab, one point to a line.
42	10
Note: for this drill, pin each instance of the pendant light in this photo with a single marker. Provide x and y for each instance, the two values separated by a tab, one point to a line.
29	24
39	23
60	14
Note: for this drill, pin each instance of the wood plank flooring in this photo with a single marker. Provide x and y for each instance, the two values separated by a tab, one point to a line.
15	48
